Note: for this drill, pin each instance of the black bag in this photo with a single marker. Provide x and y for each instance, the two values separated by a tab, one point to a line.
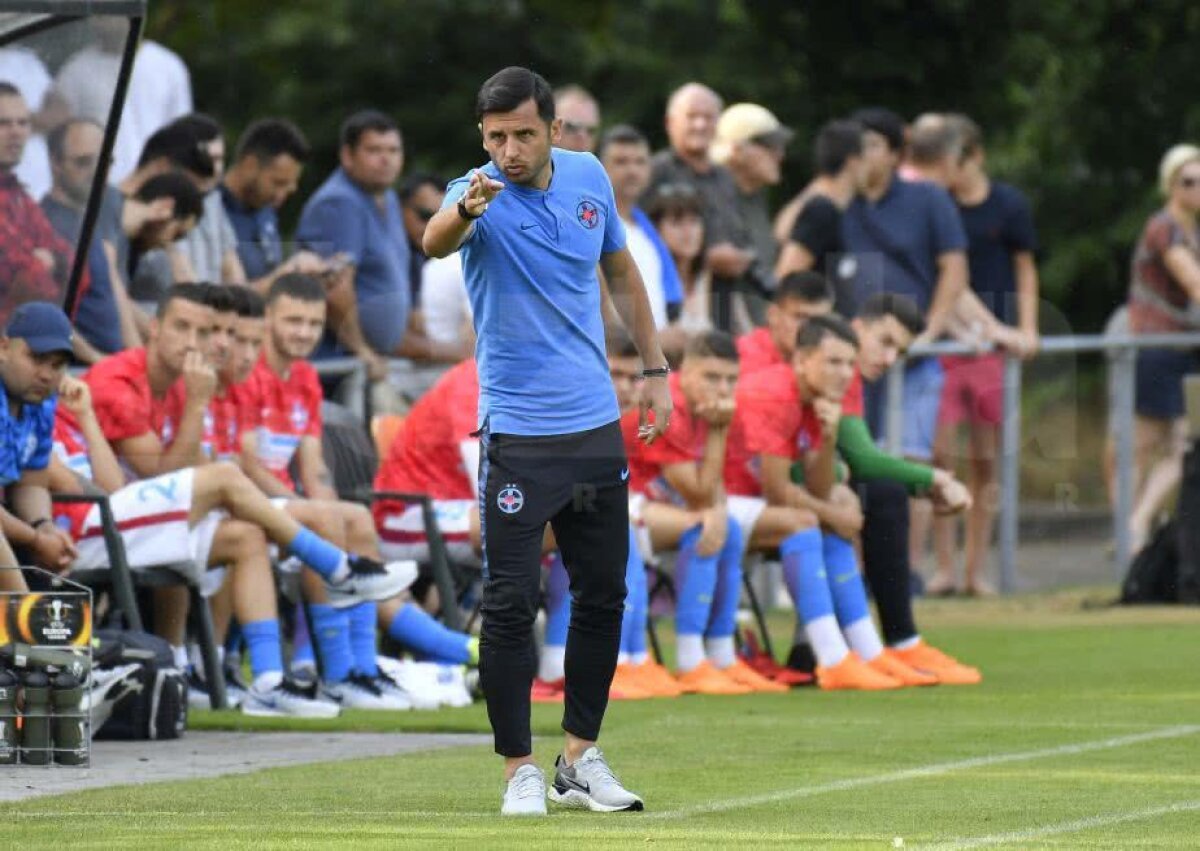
1188	512
1153	575
155	707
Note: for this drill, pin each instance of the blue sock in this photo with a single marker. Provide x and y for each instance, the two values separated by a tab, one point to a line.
302	649
845	582
416	630
722	622
804	573
262	643
331	628
363	618
316	552
637	606
695	583
558	603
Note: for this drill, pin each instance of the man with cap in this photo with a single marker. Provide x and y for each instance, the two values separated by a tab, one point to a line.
34	352
751	142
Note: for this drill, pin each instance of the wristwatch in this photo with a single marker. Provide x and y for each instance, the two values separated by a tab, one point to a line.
466	214
656	372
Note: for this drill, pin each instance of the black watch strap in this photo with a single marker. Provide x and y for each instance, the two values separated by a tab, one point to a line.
465	213
656	372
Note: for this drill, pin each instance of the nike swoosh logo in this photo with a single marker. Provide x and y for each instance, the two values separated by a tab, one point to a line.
572	783
625	474
528	225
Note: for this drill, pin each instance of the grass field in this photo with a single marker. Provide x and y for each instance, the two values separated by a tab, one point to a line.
1085	733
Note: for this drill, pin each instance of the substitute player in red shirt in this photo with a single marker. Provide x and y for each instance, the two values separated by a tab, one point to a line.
790	413
799	296
680	480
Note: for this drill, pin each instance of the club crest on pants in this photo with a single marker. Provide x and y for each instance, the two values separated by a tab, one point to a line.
510	500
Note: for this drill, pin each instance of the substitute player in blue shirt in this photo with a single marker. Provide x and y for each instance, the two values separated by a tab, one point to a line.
531	227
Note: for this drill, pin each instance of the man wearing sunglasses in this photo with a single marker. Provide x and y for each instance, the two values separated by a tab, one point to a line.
580	116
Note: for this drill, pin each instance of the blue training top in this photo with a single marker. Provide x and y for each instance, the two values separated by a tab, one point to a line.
530	269
26	440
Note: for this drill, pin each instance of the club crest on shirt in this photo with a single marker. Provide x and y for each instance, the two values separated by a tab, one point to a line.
804	441
510	500
30	448
588	214
299	416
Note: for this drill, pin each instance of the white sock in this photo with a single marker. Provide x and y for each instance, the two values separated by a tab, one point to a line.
623	658
267	680
553	664
908	643
343	569
689	652
826	639
180	655
863	638
720	651
639	658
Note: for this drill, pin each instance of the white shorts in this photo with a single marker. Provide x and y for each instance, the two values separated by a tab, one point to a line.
641	532
745	510
152	517
402	536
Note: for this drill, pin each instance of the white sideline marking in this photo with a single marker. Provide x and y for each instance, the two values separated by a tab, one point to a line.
919	772
1066	827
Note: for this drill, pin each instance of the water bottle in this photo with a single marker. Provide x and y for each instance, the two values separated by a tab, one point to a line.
35	735
10	735
70	734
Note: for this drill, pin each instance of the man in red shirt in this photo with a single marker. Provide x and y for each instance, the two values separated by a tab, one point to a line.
282	403
680	479
800	295
789	413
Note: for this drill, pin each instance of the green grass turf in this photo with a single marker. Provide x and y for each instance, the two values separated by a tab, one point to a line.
820	770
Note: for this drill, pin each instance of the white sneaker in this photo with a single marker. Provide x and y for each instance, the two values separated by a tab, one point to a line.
286	700
359	691
417	679
392	689
451	680
370	580
590	784
525	794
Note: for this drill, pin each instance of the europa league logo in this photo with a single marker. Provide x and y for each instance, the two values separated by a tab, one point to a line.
56	614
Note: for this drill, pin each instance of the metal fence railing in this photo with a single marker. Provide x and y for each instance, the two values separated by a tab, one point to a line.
1121	351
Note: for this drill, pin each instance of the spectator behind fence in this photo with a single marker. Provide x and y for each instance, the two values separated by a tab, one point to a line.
625	154
265	172
677	212
34	260
809	228
580	116
24	69
1164	288
164	209
210	250
103	316
751	143
691	122
420	198
160	89
1003	302
356	213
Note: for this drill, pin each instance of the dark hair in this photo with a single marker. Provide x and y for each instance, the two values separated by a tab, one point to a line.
177	186
903	308
410	184
818	328
180	148
808	287
883	121
203	127
618	343
836	142
367	120
673	199
622	134
56	139
298	286
220	297
711	344
506	90
188	291
8	90
247	303
268	138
